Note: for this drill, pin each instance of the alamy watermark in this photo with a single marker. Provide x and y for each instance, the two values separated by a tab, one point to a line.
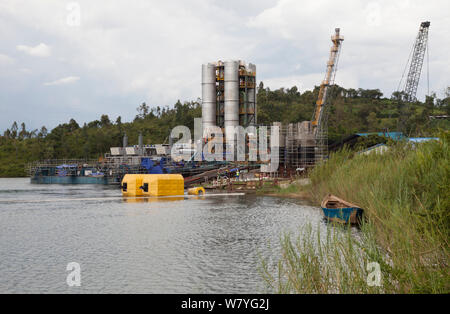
73	279
73	18
374	276
237	144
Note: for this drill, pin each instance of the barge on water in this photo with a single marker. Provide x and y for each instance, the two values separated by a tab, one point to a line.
105	172
137	159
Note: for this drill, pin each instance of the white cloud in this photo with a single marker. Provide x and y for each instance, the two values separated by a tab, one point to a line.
152	50
41	50
378	37
308	81
6	60
63	81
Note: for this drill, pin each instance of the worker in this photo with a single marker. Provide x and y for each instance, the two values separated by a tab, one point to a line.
237	174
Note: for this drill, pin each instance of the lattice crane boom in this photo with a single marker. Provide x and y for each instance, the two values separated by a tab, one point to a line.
337	40
418	55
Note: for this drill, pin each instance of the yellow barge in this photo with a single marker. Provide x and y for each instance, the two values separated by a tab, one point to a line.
152	185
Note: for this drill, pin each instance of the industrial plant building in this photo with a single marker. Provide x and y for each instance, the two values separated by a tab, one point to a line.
228	94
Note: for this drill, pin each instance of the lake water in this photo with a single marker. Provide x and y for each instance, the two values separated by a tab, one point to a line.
210	245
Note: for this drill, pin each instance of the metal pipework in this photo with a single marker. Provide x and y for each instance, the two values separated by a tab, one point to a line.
125	140
141	143
208	96
251	94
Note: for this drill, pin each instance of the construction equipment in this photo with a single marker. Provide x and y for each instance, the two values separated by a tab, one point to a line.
330	75
418	55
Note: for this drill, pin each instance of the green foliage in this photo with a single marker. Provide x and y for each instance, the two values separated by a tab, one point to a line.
352	111
68	140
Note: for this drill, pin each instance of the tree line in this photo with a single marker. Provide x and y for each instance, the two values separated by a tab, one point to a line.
351	111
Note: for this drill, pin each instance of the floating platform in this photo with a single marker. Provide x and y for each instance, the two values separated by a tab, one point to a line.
152	185
68	180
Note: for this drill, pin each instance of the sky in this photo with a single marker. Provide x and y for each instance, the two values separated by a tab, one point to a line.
81	59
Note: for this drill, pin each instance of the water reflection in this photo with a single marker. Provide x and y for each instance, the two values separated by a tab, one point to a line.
152	199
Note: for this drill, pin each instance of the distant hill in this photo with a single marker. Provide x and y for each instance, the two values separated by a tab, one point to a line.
351	111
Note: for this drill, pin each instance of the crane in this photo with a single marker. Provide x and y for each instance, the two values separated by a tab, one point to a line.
337	40
418	54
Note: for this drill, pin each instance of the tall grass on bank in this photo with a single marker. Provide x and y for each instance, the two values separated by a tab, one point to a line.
405	196
333	262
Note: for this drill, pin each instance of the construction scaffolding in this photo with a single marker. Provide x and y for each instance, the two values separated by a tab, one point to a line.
299	149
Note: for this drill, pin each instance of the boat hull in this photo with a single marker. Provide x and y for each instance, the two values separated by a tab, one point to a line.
68	180
338	210
343	215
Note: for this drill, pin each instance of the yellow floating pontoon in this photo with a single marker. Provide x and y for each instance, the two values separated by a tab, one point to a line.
131	185
152	185
197	191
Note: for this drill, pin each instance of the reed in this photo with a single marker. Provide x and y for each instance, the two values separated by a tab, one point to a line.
405	196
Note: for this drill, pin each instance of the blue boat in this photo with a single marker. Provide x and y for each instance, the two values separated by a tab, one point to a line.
338	210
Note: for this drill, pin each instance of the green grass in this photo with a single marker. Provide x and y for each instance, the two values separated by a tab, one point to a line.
329	263
404	194
290	189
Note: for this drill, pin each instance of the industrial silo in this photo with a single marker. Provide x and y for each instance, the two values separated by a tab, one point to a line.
208	96
228	94
231	109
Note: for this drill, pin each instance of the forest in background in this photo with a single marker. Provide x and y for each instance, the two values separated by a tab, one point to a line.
351	111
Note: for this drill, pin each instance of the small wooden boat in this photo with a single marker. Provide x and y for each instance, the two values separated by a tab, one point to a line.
338	210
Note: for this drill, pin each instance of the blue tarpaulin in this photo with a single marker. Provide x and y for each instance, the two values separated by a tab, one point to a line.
66	166
392	135
149	164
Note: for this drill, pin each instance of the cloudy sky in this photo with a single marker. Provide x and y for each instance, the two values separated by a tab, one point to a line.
80	59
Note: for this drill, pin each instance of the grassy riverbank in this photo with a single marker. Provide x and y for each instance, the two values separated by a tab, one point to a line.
405	195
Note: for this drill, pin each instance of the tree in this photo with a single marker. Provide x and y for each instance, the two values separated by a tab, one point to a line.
143	111
43	132
14	129
73	125
23	131
104	120
372	121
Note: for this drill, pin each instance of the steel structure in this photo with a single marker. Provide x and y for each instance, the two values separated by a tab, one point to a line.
418	55
330	75
319	121
228	94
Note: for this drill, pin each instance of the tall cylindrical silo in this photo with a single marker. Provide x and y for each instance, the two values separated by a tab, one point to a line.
208	96
231	78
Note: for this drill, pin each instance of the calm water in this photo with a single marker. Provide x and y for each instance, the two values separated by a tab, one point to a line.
210	245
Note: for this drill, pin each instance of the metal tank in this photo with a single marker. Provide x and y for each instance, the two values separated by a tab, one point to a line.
231	79
208	96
